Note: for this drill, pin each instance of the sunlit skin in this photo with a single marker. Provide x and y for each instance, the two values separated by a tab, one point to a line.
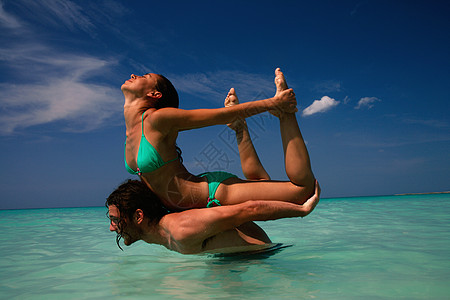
222	229
127	234
219	229
179	189
140	86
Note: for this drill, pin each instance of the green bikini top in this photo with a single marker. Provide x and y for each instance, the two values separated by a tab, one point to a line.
148	159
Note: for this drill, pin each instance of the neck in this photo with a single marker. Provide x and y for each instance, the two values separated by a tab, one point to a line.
155	234
133	109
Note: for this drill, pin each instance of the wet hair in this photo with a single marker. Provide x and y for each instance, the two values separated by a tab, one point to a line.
132	195
169	93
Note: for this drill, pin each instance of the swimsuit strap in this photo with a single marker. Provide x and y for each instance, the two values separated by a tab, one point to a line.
138	171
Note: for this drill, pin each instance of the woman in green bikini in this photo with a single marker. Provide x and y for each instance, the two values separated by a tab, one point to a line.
153	121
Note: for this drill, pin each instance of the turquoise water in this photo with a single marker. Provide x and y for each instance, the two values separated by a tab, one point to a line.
395	247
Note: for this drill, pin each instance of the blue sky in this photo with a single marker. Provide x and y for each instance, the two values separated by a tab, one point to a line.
371	79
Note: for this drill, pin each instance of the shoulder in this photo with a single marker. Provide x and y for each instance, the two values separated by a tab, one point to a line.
179	224
193	222
164	118
183	232
157	119
165	113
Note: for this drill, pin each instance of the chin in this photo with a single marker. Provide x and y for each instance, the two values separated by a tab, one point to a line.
127	241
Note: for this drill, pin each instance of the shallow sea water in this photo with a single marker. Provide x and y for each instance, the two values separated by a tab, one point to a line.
395	247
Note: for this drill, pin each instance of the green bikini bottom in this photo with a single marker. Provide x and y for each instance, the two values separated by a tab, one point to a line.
214	180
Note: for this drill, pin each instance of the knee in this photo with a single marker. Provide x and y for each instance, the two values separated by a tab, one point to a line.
303	192
304	179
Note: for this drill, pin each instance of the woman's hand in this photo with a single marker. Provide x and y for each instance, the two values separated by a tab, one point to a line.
284	102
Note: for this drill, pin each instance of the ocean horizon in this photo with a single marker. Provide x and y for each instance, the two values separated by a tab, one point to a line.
371	247
321	199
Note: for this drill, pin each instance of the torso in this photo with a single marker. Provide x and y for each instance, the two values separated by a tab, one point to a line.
247	237
175	186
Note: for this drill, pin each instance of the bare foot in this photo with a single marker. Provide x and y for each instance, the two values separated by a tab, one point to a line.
280	83
231	100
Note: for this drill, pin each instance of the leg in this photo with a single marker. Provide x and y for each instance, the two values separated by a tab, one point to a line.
297	162
297	165
234	190
250	163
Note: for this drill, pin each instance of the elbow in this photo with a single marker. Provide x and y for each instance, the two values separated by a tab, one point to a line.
304	212
308	207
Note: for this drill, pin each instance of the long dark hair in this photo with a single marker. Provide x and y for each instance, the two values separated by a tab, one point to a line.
169	96
132	195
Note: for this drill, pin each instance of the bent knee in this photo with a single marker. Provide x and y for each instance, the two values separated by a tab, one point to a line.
302	193
305	180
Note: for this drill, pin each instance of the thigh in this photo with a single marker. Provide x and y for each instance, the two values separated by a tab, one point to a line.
235	190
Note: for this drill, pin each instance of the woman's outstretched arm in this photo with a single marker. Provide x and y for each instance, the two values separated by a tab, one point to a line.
180	119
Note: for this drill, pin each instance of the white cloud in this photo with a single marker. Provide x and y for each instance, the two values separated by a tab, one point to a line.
320	106
81	106
49	86
45	85
366	102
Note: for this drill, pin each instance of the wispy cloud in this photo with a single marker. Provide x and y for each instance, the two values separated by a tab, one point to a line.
213	86
82	107
429	123
7	20
367	102
46	85
67	12
320	106
55	13
58	96
327	87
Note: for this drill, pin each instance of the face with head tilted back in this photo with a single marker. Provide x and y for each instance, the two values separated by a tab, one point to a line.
141	86
152	87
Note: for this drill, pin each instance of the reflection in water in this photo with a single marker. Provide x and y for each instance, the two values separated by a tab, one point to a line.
180	276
